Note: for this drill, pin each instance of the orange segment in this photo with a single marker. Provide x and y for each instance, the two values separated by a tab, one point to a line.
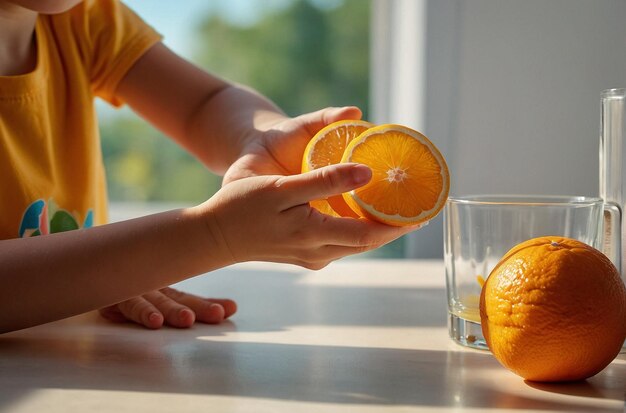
410	181
327	148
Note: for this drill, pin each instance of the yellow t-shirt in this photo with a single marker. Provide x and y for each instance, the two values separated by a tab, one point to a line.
51	171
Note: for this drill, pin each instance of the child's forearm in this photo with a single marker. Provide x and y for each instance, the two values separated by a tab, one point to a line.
226	122
51	277
210	117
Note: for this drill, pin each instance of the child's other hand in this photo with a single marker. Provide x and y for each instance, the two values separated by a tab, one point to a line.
276	147
171	307
268	218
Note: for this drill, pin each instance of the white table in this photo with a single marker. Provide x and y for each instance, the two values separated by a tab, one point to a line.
358	336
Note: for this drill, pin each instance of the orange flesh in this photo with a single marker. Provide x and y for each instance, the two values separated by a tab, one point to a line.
407	178
328	151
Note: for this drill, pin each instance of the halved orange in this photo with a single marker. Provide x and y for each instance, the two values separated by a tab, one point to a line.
410	180
327	148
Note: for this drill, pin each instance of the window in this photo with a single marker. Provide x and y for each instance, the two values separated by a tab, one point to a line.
303	54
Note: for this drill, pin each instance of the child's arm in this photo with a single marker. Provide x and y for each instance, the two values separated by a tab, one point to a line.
225	126
259	218
219	122
51	277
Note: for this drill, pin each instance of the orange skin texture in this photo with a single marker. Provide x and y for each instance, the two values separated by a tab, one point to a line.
554	309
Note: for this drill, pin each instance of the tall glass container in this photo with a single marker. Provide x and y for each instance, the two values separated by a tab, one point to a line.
612	146
612	179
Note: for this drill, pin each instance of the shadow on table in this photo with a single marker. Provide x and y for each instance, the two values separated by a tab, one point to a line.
611	383
96	355
324	374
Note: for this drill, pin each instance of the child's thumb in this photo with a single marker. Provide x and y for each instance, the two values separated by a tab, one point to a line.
315	121
324	182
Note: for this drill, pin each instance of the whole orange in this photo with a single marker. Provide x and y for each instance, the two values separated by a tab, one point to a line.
554	309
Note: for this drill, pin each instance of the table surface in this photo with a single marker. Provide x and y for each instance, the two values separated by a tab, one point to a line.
359	335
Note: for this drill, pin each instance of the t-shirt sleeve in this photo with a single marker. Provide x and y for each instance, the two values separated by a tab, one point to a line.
116	38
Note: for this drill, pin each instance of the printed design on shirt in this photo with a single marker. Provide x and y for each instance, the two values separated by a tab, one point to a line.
42	218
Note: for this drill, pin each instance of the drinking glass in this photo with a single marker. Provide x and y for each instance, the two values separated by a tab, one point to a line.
480	229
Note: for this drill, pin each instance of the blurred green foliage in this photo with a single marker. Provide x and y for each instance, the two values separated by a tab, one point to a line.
304	57
142	165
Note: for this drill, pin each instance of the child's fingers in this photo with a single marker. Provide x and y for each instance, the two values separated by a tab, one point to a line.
112	313
176	314
230	307
208	310
323	182
141	311
359	233
317	259
315	121
324	255
173	307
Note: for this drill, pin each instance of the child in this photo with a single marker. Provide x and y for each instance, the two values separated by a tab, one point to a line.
55	58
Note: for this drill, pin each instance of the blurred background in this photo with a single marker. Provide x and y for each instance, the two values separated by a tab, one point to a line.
508	90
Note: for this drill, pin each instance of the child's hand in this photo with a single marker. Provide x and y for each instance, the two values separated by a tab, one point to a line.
268	218
278	150
172	307
265	218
